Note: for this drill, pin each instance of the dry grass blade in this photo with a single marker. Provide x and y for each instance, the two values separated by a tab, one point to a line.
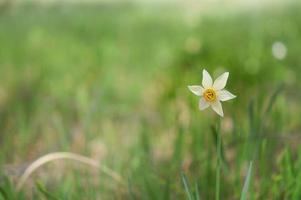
65	155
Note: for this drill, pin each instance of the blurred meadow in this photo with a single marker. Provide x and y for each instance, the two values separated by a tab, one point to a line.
109	81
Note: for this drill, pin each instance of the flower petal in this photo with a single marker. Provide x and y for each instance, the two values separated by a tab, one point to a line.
217	107
207	80
203	104
196	89
225	95
221	81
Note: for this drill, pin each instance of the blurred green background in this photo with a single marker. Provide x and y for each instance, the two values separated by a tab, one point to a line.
109	81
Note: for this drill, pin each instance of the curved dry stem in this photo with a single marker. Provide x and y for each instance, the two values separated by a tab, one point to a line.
65	155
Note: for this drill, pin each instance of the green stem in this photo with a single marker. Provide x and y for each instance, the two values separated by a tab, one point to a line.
218	167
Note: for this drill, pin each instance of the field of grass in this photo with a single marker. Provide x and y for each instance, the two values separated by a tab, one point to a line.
110	82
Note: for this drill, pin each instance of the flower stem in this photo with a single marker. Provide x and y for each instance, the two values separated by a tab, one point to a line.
218	167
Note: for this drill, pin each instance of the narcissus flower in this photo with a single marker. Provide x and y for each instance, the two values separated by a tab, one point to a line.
212	93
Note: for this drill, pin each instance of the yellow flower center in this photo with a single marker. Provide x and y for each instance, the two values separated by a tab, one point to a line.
209	95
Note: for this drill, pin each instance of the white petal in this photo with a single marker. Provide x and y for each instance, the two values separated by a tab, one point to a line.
196	89
203	104
225	95
207	80
221	81
217	107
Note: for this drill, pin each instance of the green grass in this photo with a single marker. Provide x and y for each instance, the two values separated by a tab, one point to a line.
110	82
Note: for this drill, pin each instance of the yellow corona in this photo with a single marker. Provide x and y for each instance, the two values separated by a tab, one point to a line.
209	95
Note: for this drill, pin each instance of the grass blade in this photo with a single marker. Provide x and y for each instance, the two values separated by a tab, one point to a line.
197	193
273	98
3	193
186	186
166	194
247	183
43	190
130	190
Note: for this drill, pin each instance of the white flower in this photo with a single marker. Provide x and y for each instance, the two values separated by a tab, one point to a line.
212	93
